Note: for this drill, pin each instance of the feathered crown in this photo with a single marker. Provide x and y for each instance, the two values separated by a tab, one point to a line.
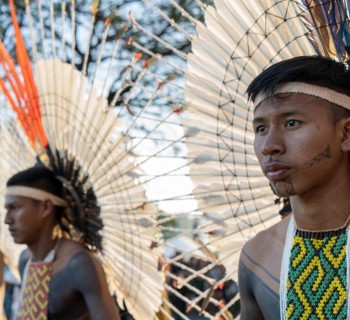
236	42
328	25
62	122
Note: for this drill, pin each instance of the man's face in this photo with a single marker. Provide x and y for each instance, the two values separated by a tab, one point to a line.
296	142
23	218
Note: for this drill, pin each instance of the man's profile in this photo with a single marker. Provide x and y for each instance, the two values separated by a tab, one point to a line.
61	278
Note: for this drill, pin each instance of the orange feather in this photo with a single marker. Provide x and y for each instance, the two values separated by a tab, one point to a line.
22	94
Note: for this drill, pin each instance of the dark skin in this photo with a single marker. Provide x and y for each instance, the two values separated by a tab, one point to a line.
1	269
259	274
77	284
304	158
78	288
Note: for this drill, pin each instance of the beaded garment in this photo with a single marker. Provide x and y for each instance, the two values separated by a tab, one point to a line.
35	290
35	299
314	275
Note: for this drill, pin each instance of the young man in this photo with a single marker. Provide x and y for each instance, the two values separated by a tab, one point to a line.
61	278
299	268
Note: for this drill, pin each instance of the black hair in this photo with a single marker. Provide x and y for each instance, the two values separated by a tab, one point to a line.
316	70
37	177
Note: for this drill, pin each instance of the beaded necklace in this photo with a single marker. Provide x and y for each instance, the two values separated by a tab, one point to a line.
318	234
313	264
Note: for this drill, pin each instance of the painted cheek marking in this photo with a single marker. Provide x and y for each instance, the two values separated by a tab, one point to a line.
308	164
288	189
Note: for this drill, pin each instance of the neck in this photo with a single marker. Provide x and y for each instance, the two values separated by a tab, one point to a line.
41	250
324	211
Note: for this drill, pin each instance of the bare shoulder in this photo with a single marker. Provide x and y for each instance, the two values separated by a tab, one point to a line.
262	255
67	246
259	269
78	285
267	242
69	252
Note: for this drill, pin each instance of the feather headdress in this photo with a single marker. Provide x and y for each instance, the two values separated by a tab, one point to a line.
237	41
328	26
59	119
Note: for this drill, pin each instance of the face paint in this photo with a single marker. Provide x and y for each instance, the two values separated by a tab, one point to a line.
297	150
284	188
326	154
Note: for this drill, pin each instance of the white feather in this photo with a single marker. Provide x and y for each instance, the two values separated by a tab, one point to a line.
238	40
80	123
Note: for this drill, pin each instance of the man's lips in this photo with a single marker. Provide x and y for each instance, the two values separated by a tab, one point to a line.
276	172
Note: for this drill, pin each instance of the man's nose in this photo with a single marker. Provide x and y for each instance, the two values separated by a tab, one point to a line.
8	218
273	143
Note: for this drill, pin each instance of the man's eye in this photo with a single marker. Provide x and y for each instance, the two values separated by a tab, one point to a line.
260	129
292	123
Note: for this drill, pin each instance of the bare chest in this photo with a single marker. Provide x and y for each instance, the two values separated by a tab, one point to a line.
65	302
261	263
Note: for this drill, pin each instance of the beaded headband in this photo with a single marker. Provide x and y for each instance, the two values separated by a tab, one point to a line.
330	95
35	194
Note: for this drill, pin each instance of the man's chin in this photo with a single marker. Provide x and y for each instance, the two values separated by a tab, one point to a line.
17	240
282	189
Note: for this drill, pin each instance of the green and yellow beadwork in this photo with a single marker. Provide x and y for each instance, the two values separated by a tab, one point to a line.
316	284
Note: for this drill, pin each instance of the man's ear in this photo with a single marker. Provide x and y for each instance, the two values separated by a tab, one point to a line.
345	141
47	207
